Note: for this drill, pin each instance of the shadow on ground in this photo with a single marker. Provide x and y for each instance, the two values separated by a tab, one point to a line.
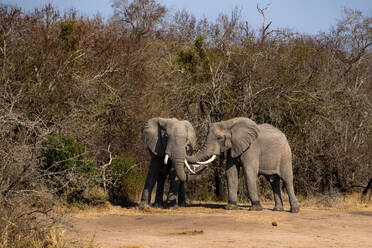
223	205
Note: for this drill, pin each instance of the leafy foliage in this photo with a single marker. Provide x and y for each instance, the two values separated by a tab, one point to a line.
128	176
60	153
66	35
66	163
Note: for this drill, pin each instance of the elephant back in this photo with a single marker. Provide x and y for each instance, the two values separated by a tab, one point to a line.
273	136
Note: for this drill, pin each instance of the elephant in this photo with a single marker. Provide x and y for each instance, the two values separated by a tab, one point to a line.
259	149
167	141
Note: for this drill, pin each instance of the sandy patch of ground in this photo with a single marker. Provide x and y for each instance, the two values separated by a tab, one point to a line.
209	225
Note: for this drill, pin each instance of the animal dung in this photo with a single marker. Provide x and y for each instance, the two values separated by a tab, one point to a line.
274	223
194	232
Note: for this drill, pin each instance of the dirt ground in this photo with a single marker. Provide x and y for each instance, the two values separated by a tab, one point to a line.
209	225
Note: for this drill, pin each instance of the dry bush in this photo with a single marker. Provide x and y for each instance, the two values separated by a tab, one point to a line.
25	201
64	75
316	89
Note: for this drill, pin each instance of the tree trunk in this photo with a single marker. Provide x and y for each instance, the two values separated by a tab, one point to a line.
369	187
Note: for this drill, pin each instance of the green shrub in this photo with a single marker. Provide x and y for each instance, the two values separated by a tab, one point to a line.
61	153
69	42
95	196
68	167
127	180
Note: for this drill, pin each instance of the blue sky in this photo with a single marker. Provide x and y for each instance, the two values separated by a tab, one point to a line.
305	16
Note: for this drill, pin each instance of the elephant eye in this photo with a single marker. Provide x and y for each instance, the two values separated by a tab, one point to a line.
220	137
164	134
189	149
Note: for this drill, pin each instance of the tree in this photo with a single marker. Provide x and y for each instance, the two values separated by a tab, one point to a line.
140	17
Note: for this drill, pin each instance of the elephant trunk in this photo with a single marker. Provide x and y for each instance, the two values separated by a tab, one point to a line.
177	152
202	155
179	166
179	158
201	175
180	170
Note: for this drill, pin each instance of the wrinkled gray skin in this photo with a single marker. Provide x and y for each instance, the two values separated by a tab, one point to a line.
259	149
167	136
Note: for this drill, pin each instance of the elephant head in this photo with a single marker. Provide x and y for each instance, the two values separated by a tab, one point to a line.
235	134
169	139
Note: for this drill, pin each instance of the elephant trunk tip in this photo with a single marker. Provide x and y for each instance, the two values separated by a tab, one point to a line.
180	172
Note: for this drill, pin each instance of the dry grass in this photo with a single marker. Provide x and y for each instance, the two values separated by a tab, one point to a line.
336	201
55	238
200	209
197	208
59	238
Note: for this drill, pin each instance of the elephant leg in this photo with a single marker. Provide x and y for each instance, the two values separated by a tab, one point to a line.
151	178
173	189
250	176
232	175
275	185
181	195
159	203
288	183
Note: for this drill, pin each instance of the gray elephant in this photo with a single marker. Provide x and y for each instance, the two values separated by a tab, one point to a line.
259	149
167	141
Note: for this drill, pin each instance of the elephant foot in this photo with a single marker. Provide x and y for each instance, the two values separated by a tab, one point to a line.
231	206
278	208
256	206
171	204
294	209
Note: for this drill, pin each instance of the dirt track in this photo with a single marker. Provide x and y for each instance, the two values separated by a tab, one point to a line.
209	225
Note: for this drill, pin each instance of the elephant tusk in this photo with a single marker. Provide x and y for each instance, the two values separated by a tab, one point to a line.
188	167
166	159
208	161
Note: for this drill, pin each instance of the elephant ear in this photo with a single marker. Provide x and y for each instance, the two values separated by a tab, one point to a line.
242	136
154	136
191	135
